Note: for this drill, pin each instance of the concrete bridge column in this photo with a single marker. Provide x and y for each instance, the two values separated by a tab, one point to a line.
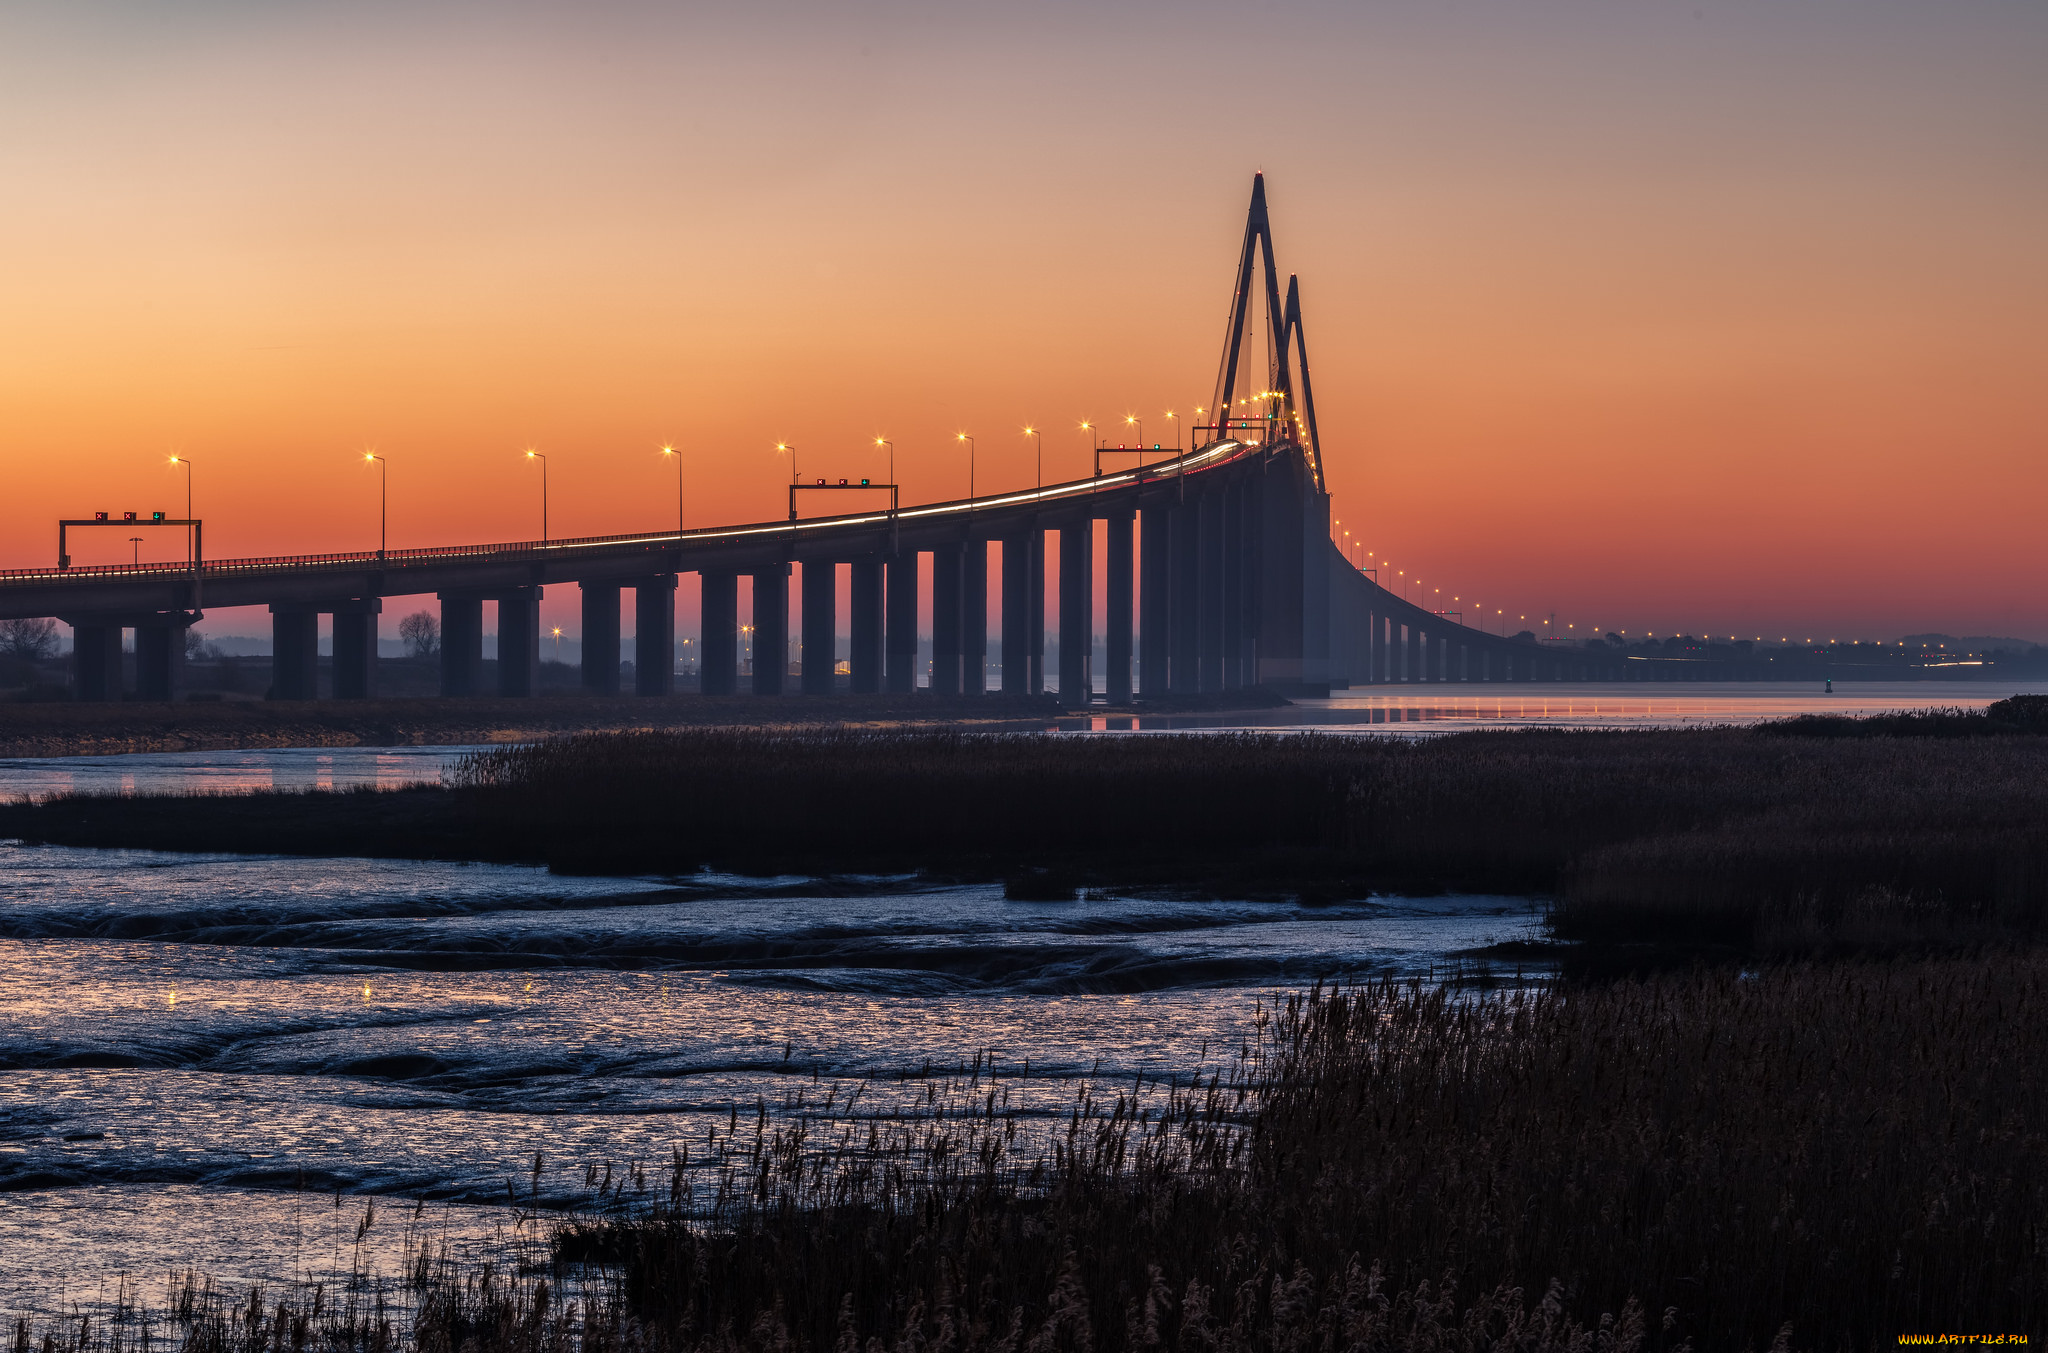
519	641
1155	599
1077	613
95	661
974	618
1231	603
946	566
771	629
1116	624
355	648
1418	668
654	636
1209	603
1284	630
462	644
160	659
899	639
718	639
1185	624
1034	613
295	651
1016	626
864	659
601	638
820	625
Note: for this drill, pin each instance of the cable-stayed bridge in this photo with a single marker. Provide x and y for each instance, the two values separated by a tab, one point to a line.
1220	575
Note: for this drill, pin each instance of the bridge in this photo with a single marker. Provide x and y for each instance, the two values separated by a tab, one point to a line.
1221	575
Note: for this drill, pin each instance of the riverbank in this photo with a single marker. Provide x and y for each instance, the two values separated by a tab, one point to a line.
1795	838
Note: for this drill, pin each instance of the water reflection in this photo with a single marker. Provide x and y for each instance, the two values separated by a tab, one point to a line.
217	772
1462	707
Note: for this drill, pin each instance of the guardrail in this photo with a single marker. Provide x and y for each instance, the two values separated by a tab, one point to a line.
521	550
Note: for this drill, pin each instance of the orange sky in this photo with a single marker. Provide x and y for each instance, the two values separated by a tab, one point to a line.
1724	317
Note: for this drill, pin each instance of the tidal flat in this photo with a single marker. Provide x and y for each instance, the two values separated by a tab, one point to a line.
808	1038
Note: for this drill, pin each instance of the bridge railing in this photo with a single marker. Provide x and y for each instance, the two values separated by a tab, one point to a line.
511	551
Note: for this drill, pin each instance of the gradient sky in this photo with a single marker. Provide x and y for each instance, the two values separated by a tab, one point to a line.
1722	317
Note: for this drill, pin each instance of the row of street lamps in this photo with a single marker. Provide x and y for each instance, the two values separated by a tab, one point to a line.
384	472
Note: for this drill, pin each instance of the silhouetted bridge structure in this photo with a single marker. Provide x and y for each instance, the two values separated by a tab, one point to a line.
1225	550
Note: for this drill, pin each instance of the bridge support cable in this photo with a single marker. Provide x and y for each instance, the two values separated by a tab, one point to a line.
771	629
600	663
1116	620
718	638
654	636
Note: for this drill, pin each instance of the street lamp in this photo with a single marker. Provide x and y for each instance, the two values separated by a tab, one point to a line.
671	451
963	437
186	462
780	447
383	499
1040	436
884	441
535	455
136	541
1132	420
1093	445
558	642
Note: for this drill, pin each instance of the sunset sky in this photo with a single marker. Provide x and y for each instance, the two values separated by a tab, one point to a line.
1713	316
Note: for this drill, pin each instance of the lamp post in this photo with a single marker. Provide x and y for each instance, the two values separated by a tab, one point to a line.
884	441
1088	428
1174	418
671	451
535	455
136	541
1132	420
187	463
780	447
383	500
963	437
1040	436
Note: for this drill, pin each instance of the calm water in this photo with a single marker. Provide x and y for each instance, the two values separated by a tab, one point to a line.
219	1061
1463	707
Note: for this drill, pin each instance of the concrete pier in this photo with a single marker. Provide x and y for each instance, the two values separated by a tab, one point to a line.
946	619
1016	601
899	622
519	641
1077	619
1185	623
865	657
95	661
718	639
654	636
1232	619
601	638
160	659
1209	621
974	618
462	643
771	630
355	648
820	625
295	652
1155	599
1116	621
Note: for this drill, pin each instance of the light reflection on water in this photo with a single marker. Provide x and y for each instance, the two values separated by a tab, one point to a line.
1464	707
182	1032
221	772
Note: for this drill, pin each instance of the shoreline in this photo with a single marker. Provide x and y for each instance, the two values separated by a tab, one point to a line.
56	729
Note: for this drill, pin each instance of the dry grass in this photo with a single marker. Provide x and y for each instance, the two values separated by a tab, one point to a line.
1854	1150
